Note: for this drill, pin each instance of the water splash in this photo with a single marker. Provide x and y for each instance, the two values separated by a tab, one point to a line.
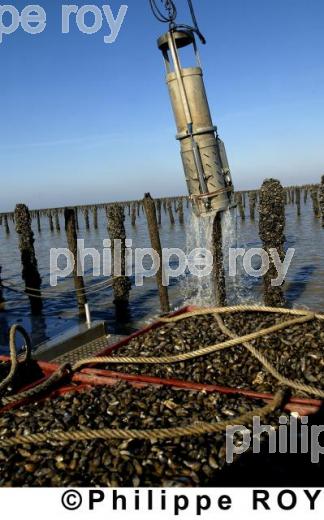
199	234
240	288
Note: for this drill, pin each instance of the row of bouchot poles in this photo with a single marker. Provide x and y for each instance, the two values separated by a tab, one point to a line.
270	200
115	212
291	195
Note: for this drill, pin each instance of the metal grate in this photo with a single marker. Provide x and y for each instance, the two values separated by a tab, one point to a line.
88	350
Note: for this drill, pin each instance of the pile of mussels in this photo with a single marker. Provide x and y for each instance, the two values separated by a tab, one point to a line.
186	461
297	352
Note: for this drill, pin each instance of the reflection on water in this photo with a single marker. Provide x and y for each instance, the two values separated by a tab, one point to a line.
304	287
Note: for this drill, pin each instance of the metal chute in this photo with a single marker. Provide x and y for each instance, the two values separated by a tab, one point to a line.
203	153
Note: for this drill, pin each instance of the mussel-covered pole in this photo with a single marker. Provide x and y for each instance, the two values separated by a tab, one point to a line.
134	215
252	202
159	213
218	262
50	222
171	216
117	234
316	207
6	225
76	218
321	199
271	229
86	219
305	194
181	213
95	217
72	237
297	193
39	227
30	273
156	245
57	221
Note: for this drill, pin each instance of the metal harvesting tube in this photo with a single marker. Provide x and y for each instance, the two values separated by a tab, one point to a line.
203	153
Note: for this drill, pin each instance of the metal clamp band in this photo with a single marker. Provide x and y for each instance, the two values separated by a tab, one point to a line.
200	131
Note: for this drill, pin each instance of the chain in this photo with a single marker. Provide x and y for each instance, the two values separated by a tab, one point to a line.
169	7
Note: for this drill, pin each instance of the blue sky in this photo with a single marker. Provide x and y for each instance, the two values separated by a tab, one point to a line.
83	121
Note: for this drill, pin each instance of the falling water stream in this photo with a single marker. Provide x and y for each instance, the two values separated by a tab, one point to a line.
199	235
200	291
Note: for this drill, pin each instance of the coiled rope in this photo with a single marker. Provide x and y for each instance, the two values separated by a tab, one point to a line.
14	358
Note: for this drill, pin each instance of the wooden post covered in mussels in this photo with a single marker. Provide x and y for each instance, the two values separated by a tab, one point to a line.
6	225
95	217
117	234
321	198
297	193
30	273
316	206
218	262
271	229
71	235
153	228
171	216
252	203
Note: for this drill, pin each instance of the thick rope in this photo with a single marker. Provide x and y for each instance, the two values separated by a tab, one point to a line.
14	330
196	429
204	351
241	308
